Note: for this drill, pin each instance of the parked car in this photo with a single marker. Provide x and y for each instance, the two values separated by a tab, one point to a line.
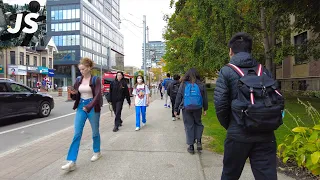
17	99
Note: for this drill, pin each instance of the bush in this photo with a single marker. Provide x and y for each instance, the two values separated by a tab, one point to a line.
208	85
303	145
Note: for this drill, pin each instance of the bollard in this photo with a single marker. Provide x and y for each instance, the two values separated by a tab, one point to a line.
69	94
60	91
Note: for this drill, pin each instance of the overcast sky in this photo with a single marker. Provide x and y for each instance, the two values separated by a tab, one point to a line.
134	10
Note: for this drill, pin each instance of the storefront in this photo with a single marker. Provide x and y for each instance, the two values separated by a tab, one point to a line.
32	76
1	71
17	73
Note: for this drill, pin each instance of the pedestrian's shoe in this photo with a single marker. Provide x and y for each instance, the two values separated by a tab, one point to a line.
165	106
168	105
173	118
121	123
70	166
178	117
191	149
96	156
199	145
115	129
143	124
137	128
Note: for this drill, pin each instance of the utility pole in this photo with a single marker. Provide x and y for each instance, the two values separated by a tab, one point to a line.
149	58
144	48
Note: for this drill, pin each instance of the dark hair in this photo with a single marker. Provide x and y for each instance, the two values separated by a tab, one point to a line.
241	42
191	75
136	82
121	74
168	74
176	77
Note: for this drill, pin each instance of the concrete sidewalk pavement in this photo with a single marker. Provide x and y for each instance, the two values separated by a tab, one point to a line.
157	151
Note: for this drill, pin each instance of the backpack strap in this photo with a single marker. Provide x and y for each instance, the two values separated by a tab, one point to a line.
94	78
236	68
241	73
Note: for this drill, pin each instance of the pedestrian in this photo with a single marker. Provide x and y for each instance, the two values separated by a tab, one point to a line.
118	92
249	110
192	98
87	95
172	91
141	100
160	88
165	85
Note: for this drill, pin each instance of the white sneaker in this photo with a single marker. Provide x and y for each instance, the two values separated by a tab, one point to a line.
70	166
96	156
137	128
143	124
173	118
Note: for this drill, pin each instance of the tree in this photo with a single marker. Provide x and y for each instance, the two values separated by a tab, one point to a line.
157	73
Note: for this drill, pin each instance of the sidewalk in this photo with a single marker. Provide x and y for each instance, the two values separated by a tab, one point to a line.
157	151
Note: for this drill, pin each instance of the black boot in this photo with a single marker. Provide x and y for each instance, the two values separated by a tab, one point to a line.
115	129
120	123
191	149
199	145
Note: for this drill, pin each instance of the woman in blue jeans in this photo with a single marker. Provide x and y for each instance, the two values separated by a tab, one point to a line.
87	96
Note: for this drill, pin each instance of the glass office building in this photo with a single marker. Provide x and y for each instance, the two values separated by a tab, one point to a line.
84	28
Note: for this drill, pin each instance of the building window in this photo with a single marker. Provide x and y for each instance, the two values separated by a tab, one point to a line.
68	55
300	42
65	12
44	62
50	62
35	61
67	40
21	58
12	57
27	60
73	26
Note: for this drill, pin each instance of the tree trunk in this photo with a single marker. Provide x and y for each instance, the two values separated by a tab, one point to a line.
273	45
265	39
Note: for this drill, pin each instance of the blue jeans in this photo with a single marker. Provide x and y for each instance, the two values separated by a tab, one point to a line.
141	109
79	122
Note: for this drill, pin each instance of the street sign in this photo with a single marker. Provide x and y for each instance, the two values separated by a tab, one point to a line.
1	69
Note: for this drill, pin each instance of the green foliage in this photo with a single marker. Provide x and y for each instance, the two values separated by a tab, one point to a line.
303	144
198	32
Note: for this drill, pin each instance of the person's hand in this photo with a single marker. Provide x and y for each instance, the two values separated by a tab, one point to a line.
85	109
148	103
204	113
73	91
176	114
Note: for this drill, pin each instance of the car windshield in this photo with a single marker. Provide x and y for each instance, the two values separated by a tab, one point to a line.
108	80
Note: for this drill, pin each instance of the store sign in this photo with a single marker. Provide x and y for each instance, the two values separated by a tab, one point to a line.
17	70
51	72
1	69
43	70
33	69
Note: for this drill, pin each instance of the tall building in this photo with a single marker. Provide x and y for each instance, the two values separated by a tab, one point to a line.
84	28
154	52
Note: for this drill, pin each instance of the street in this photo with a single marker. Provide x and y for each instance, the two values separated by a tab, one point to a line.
15	132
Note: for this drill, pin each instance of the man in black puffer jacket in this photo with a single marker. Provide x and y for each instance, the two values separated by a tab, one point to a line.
240	144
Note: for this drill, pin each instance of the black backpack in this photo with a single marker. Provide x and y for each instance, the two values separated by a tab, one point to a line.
259	105
175	89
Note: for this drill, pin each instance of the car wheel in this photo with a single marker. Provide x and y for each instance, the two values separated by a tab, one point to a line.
45	109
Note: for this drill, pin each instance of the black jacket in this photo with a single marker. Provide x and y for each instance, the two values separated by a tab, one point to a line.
170	88
119	91
226	90
179	99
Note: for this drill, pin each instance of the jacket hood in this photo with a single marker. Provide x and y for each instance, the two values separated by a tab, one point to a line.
244	60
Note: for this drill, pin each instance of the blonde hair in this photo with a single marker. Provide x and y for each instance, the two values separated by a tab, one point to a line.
87	62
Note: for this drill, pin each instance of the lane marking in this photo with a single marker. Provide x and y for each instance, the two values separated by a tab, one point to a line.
5	153
37	123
